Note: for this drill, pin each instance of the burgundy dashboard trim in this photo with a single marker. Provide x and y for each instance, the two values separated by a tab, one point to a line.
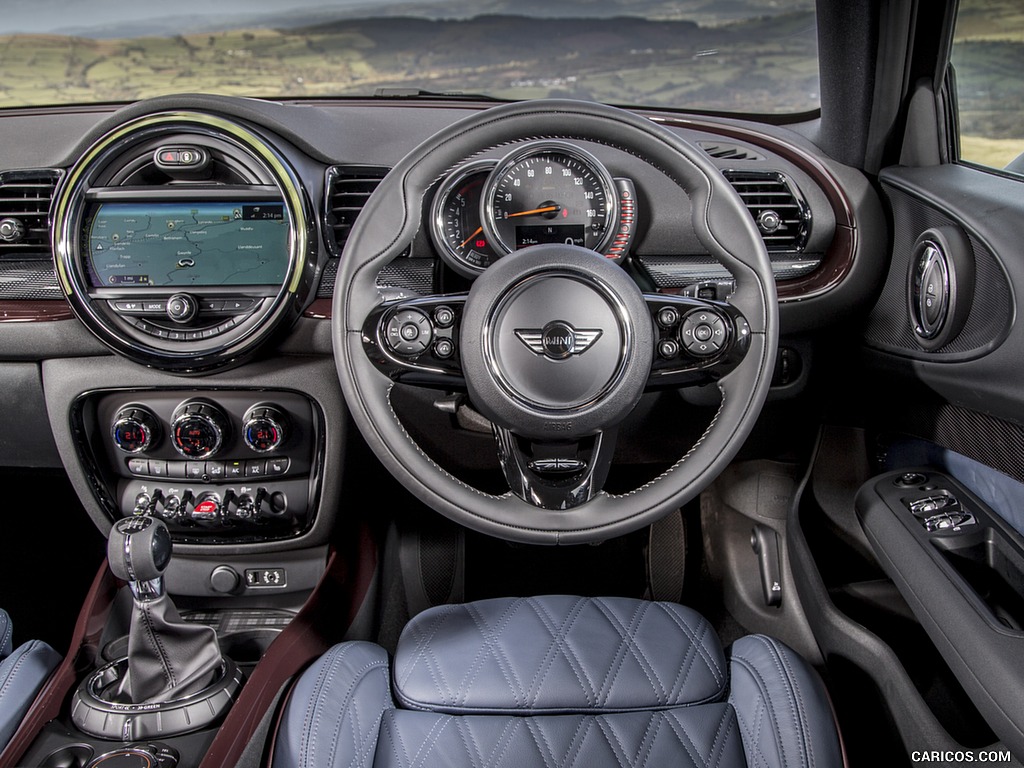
43	310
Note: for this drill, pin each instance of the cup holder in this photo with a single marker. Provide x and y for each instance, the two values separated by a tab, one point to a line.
70	756
247	646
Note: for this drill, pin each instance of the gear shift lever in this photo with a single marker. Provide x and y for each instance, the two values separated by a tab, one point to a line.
168	658
139	550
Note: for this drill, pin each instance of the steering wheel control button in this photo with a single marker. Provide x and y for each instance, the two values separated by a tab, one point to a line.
408	332
444	317
134	429
264	428
182	308
444	349
668	317
703	333
197	429
668	348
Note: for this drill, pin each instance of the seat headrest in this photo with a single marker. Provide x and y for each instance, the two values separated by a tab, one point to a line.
558	654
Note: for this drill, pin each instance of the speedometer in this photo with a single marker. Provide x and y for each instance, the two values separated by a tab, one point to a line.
549	192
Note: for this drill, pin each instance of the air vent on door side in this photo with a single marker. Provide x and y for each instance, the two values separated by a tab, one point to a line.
25	198
777	206
723	151
348	189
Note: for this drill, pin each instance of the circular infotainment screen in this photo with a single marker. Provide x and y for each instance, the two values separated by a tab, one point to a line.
182	241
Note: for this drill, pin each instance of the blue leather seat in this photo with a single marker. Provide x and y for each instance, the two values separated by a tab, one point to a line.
559	681
22	673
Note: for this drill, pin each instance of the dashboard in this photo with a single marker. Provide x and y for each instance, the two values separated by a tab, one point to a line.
198	240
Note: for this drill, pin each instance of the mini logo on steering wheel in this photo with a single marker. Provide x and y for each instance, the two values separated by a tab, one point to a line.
558	340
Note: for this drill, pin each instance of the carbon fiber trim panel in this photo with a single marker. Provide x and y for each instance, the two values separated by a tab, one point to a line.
415	275
888	327
28	280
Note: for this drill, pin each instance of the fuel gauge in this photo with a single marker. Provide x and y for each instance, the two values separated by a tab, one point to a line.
455	220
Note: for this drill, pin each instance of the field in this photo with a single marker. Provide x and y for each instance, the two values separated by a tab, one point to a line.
988	56
764	64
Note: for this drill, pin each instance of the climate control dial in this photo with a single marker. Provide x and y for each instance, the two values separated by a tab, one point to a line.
264	428
135	429
198	429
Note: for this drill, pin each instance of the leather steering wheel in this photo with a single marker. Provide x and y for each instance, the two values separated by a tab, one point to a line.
522	342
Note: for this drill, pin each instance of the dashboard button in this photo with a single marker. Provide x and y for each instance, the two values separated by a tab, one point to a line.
129	307
158	468
278	466
154	307
215	469
238	305
234	469
256	468
138	466
194	470
211	305
176	469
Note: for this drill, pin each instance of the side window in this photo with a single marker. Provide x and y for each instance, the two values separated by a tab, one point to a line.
988	58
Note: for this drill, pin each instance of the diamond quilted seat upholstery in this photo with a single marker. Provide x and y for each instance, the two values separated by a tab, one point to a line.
559	681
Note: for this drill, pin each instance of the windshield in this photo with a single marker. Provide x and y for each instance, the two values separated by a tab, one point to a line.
748	56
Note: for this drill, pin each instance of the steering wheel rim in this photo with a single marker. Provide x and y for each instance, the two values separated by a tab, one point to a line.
388	225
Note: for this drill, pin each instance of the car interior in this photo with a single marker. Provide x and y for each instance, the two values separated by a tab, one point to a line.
423	427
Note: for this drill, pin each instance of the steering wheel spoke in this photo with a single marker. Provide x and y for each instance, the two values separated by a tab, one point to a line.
555	474
416	341
696	342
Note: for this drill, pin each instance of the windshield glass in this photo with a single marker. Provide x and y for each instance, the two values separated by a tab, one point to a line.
749	56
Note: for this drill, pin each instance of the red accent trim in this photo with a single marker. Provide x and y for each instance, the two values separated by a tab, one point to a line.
17	311
83	653
320	309
322	622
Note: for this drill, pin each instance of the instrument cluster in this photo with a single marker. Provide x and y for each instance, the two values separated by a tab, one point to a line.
542	192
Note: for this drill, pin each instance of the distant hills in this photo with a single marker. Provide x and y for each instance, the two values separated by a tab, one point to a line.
765	64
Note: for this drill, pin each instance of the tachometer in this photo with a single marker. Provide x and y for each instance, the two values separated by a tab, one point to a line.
549	192
455	220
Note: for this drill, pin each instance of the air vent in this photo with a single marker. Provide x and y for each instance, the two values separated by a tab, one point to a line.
24	210
778	208
348	189
723	151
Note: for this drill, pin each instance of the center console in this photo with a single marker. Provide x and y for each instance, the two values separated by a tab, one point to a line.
224	465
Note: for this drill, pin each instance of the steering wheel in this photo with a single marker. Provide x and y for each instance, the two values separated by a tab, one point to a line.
554	343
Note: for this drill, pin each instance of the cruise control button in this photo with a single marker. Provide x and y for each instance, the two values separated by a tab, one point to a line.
444	349
444	317
408	332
